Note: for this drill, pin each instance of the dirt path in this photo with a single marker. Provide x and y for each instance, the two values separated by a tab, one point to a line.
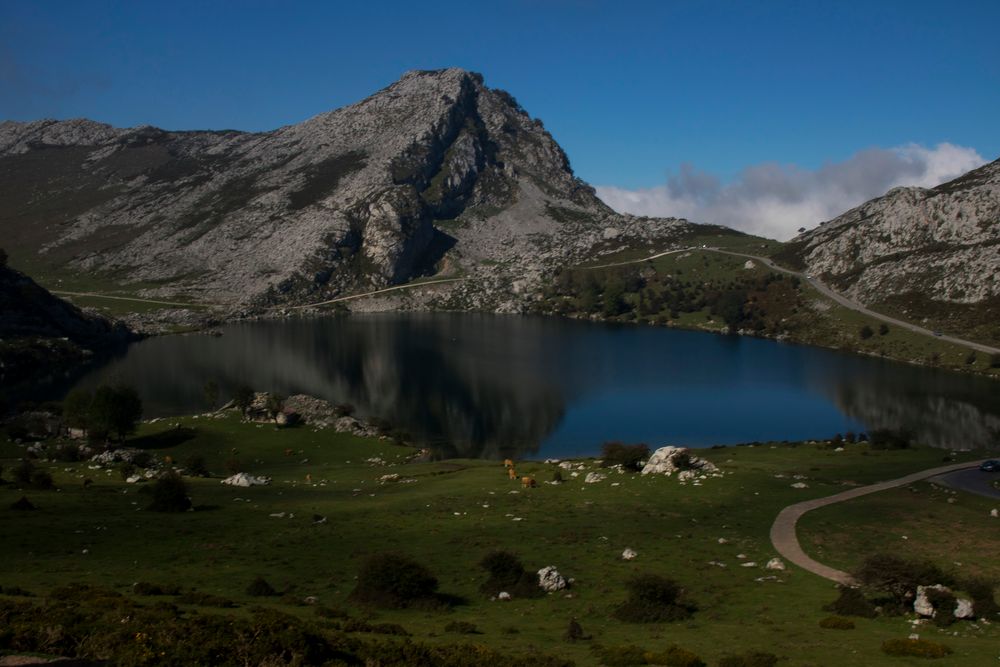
785	540
134	298
378	291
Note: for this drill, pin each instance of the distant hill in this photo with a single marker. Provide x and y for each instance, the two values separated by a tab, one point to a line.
41	332
435	173
924	254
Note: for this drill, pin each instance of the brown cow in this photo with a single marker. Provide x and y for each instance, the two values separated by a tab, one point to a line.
289	452
507	463
511	474
528	482
309	478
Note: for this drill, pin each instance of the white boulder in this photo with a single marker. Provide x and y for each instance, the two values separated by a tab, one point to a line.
246	479
964	609
629	554
667	460
994	513
775	564
594	477
550	580
922	604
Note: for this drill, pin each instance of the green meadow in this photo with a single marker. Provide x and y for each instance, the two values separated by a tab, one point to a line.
330	505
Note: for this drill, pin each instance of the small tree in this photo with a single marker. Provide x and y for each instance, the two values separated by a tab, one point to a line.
883	329
211	392
394	580
170	494
76	408
866	332
243	398
114	411
654	599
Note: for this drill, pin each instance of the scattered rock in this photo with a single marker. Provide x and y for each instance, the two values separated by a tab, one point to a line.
245	479
503	595
594	477
550	580
964	608
800	485
922	604
629	554
775	564
749	563
994	513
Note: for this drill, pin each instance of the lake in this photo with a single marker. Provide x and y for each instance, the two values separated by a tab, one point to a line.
476	385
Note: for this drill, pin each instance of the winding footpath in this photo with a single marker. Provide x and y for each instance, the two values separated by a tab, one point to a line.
785	540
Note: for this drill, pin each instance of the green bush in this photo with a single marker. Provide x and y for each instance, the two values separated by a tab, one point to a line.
146	588
836	623
749	659
620	656
851	602
41	479
628	457
944	605
394	580
507	573
654	599
22	472
866	332
170	494
462	628
675	656
195	466
899	577
915	648
260	588
981	590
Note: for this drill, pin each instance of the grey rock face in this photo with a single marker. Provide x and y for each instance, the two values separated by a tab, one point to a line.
943	242
436	171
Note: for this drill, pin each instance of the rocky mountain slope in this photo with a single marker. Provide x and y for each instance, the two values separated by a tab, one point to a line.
39	331
435	173
941	244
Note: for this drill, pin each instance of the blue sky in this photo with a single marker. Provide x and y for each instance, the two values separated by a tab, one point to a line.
631	90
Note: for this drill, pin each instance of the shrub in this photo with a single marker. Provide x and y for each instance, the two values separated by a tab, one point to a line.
675	656
357	625
195	466
883	329
462	628
22	472
944	605
126	470
574	632
557	476
394	580
330	612
506	573
627	456
146	588
41	479
749	659
915	648
851	602
981	591
836	623
260	588
170	494
68	453
866	332
200	599
620	656
654	599
898	577
22	505
883	438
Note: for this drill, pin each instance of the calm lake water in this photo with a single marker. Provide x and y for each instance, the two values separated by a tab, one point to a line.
492	385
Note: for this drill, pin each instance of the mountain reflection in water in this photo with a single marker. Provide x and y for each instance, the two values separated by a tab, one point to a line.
473	385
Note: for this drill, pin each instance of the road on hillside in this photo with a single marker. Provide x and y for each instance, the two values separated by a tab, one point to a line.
374	293
854	305
971	481
786	541
133	298
825	291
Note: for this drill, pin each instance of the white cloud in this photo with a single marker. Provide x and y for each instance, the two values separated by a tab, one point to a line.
775	200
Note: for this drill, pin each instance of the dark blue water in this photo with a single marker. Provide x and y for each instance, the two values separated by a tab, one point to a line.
490	385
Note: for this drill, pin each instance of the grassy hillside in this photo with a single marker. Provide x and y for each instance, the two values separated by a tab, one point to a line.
702	289
308	538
